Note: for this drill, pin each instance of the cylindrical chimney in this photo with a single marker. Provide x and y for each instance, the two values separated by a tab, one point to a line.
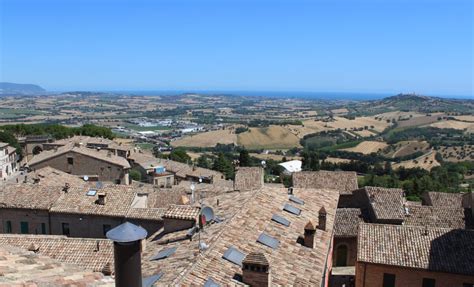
127	239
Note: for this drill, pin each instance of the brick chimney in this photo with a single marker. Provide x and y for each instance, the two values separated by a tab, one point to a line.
309	233
256	270
101	198
322	219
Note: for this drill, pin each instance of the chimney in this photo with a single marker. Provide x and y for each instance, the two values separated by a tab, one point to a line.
309	233
127	239
66	187
322	219
33	247
101	198
256	270
290	190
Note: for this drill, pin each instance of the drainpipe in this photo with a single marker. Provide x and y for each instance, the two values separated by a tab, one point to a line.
127	239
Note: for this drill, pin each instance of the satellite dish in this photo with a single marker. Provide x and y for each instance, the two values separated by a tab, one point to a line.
263	163
208	214
200	180
86	178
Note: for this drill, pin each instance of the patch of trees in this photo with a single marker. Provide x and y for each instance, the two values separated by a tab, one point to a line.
240	130
415	181
433	135
58	131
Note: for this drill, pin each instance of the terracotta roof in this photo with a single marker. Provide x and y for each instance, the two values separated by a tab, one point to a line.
433	249
443	199
185	212
443	217
187	251
100	155
292	263
87	140
243	217
118	200
29	196
90	254
347	221
147	161
342	181
24	268
53	177
248	178
386	203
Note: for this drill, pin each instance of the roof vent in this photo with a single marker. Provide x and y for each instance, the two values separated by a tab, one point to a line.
33	247
101	198
290	190
66	187
107	269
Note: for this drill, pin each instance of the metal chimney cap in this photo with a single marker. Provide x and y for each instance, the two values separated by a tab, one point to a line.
126	232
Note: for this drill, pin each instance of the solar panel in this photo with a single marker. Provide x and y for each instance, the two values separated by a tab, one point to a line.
211	283
164	253
150	280
91	192
234	255
291	209
280	219
296	199
269	241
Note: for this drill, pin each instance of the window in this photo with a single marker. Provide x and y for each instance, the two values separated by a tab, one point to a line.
65	227
106	228
24	229
429	282
70	160
8	226
388	280
43	228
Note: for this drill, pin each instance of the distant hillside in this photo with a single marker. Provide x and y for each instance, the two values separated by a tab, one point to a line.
418	103
24	89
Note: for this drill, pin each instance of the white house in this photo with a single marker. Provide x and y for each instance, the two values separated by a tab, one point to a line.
8	160
291	166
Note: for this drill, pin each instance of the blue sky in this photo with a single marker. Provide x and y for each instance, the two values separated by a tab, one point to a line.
390	46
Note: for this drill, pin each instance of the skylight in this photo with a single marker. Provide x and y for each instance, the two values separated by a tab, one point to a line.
91	192
211	283
291	209
234	255
281	220
164	253
296	200
150	280
269	241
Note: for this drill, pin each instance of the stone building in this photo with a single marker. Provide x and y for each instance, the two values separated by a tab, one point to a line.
79	160
96	143
152	168
77	208
399	256
8	161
